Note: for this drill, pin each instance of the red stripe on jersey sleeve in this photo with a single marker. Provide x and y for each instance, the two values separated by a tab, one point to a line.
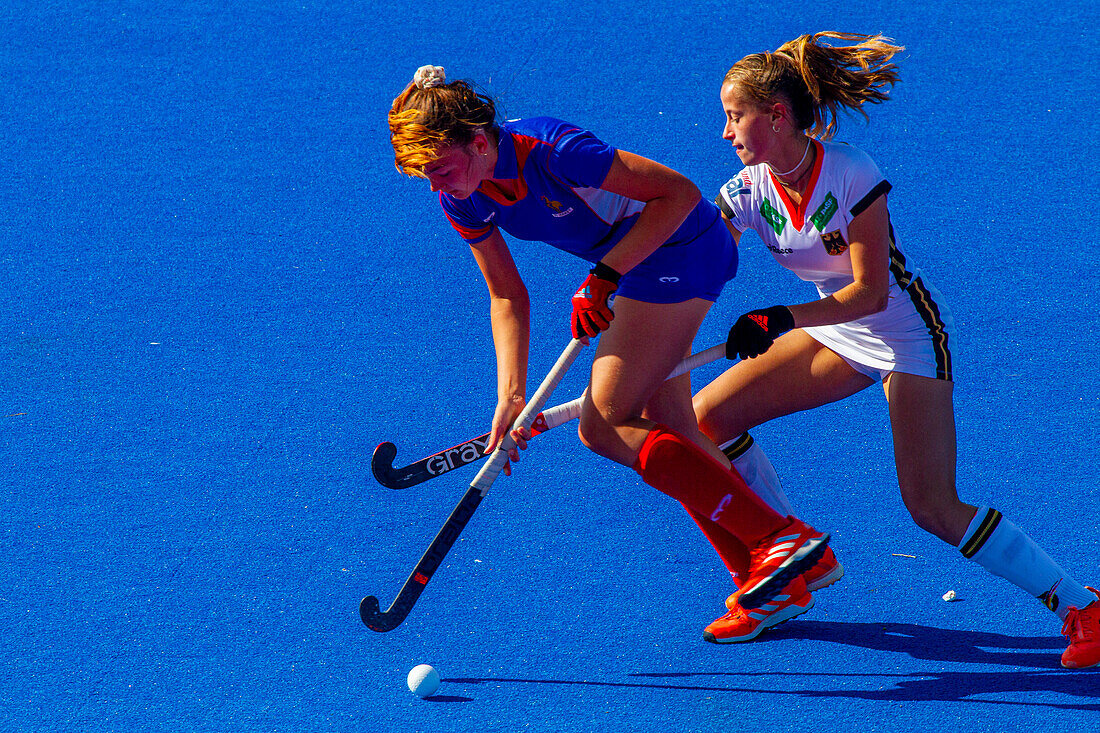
471	234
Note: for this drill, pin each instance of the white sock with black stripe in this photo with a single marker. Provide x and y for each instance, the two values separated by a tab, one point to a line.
749	460
1004	549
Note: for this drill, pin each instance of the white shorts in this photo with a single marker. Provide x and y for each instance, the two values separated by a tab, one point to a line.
912	336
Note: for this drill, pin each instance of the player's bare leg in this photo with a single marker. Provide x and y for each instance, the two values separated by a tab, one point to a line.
797	373
633	358
922	419
643	344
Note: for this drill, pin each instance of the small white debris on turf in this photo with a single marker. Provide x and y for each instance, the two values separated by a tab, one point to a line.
950	596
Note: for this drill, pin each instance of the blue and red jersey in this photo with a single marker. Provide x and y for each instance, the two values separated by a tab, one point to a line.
546	187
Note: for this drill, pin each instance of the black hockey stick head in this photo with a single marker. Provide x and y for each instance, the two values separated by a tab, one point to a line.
374	618
417	472
381	465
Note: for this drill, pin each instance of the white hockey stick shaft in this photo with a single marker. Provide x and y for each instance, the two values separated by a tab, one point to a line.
563	413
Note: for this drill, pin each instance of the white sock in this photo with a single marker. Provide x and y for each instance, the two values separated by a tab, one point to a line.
749	460
1004	549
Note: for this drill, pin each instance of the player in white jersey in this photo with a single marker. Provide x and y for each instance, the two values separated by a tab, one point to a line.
821	209
811	238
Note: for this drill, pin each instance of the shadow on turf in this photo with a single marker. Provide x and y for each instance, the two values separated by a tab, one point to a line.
919	642
946	645
910	687
928	642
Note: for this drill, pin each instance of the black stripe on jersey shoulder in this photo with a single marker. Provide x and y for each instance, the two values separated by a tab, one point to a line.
724	207
881	189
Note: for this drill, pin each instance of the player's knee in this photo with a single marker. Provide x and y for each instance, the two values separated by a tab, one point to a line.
718	424
935	515
703	414
601	435
710	428
595	432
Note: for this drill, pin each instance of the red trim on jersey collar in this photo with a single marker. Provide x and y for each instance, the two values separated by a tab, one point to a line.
798	213
507	185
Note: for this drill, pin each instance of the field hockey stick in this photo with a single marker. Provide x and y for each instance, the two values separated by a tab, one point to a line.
463	454
391	618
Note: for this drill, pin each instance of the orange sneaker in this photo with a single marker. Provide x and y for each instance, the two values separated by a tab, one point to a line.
1082	628
741	624
779	558
827	571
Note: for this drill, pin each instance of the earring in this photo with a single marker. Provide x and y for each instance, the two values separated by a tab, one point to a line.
775	128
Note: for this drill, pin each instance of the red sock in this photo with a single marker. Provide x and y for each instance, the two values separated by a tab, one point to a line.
674	465
734	554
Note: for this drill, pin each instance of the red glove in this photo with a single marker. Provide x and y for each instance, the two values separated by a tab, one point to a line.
591	311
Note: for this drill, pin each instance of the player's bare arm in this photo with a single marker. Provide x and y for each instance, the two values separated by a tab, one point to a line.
669	197
510	315
870	251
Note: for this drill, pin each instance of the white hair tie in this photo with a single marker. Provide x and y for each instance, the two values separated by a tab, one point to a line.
429	76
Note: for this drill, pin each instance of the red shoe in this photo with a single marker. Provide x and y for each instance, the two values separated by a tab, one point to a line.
779	558
741	624
827	571
1082	628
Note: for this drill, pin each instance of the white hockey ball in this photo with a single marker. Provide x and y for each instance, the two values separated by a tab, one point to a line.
423	680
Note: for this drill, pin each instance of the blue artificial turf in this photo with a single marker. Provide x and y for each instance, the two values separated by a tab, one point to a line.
218	296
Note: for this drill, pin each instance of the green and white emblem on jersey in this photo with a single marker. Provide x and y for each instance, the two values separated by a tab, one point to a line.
772	216
824	212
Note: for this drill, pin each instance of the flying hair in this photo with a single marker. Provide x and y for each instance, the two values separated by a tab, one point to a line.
431	114
817	79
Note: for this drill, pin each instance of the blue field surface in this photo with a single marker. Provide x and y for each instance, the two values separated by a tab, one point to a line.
217	296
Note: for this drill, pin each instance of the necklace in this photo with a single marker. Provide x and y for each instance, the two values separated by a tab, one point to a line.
795	182
797	166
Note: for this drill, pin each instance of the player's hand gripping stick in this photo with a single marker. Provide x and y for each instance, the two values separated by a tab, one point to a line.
472	450
755	332
391	618
591	306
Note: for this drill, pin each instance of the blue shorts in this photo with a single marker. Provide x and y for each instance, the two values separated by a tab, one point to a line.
697	268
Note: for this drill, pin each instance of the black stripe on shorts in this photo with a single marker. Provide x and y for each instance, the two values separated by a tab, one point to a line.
930	314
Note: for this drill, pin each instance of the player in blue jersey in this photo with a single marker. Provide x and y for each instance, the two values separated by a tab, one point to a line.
653	241
821	210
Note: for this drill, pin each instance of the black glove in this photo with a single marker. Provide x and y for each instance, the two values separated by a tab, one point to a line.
756	331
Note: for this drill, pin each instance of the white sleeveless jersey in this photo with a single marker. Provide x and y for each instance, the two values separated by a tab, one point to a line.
811	239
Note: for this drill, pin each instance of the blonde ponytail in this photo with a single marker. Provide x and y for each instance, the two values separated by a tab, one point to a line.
816	79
